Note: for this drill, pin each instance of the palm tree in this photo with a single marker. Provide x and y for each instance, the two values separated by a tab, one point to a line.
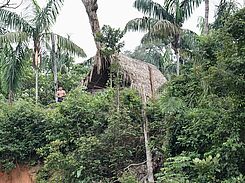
163	22
36	28
12	62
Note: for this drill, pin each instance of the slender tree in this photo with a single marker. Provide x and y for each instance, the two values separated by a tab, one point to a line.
54	68
36	28
149	163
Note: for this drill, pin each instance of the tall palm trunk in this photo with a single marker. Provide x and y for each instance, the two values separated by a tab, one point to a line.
55	72
36	62
176	48
178	62
206	29
36	83
10	97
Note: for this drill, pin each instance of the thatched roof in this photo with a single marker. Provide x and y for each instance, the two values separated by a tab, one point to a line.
137	74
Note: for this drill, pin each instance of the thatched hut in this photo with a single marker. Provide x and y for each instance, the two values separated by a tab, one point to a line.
136	74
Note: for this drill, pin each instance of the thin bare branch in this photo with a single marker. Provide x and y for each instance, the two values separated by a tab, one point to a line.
134	164
8	4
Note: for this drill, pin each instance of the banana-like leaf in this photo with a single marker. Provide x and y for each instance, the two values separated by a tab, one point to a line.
153	9
66	44
140	24
13	21
48	15
13	37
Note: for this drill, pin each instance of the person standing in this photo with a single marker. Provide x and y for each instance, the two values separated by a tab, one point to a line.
60	94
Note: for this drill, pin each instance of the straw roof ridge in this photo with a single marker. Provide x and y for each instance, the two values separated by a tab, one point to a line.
142	75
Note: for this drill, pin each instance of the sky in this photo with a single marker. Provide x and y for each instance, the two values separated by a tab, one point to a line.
73	21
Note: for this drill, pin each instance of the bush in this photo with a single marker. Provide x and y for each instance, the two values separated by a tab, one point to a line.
22	129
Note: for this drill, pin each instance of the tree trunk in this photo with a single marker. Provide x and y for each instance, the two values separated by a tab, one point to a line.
36	75
91	7
118	90
178	64
206	27
36	62
149	163
10	97
177	48
55	72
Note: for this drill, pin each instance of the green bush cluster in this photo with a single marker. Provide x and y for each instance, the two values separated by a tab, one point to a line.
22	132
202	113
90	140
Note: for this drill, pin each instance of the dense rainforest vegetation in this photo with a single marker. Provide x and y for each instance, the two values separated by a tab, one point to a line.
196	123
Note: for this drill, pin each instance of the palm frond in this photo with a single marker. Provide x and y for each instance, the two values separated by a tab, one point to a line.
48	15
165	28
181	9
152	9
151	37
13	64
188	6
201	24
66	44
13	37
13	21
162	31
140	24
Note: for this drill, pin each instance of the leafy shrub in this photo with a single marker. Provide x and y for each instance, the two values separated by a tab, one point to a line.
22	129
90	140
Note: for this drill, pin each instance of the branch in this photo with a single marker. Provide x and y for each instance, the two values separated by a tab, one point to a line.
135	164
7	4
